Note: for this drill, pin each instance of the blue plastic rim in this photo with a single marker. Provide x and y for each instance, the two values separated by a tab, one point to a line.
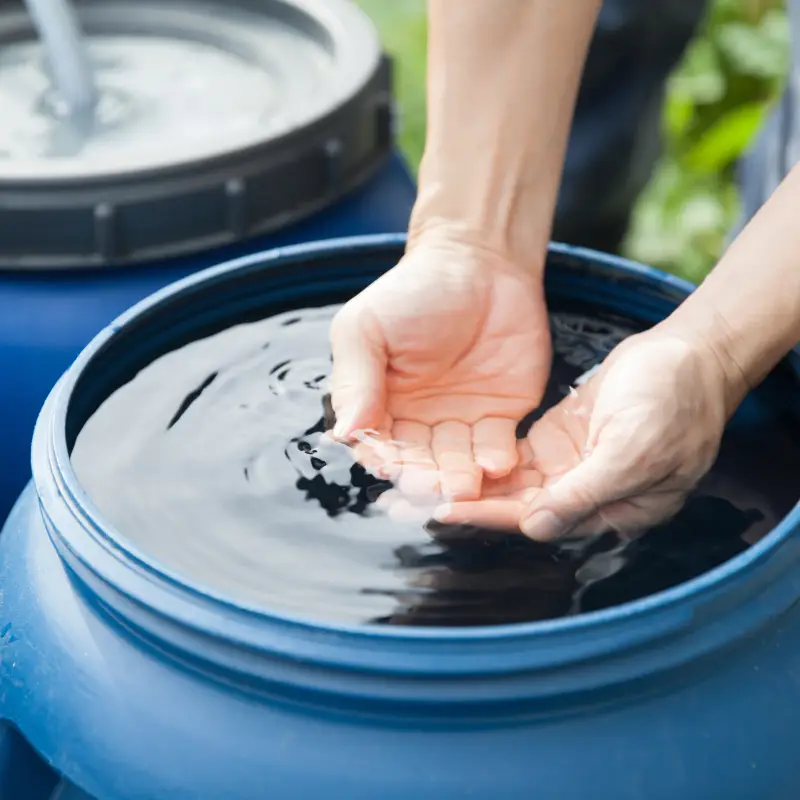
127	579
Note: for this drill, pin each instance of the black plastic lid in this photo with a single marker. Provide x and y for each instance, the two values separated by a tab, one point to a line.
331	127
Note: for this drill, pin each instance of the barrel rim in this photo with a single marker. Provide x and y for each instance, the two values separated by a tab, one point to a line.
167	606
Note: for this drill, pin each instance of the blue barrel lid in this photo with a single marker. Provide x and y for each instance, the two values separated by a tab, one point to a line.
310	74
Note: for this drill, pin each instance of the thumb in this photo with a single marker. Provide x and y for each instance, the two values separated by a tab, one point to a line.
358	381
578	495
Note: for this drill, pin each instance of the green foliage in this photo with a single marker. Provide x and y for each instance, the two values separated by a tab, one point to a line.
716	101
404	32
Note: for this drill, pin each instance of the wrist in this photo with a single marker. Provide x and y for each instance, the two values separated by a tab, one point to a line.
710	336
428	228
476	248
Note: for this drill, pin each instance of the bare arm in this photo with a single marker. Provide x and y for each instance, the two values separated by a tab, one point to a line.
748	309
502	82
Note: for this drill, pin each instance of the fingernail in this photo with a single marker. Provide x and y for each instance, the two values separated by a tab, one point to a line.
542	525
487	465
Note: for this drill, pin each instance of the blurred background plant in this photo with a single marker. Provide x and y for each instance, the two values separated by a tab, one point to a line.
717	100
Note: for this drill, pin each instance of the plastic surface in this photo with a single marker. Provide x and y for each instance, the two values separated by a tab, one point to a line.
133	684
325	128
47	318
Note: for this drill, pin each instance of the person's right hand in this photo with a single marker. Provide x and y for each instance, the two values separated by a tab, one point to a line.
441	357
622	451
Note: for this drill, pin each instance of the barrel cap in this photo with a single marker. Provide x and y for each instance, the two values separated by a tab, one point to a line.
327	126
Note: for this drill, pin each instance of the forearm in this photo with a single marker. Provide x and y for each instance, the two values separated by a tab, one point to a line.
502	81
748	309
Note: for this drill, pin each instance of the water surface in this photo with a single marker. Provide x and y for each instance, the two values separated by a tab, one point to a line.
213	461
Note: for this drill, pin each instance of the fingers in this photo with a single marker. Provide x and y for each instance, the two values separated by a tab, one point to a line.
377	452
556	449
580	494
428	463
452	449
424	460
418	476
450	458
501	502
358	380
514	485
503	513
494	444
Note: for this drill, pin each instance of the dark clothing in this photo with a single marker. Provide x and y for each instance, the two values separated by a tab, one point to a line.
615	140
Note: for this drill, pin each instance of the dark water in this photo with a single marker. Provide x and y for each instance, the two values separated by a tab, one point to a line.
213	461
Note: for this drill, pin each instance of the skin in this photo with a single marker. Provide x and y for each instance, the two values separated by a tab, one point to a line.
455	347
450	348
441	356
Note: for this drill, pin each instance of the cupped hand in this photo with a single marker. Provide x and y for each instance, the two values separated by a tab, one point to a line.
620	452
434	364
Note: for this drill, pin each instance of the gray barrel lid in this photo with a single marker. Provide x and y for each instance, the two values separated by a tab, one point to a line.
238	117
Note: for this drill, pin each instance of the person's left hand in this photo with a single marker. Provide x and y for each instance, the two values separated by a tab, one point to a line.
621	452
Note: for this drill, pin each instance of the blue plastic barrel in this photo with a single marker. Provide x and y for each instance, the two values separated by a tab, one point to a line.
81	242
47	317
119	681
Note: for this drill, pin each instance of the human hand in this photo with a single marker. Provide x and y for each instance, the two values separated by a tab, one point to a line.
620	452
441	357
